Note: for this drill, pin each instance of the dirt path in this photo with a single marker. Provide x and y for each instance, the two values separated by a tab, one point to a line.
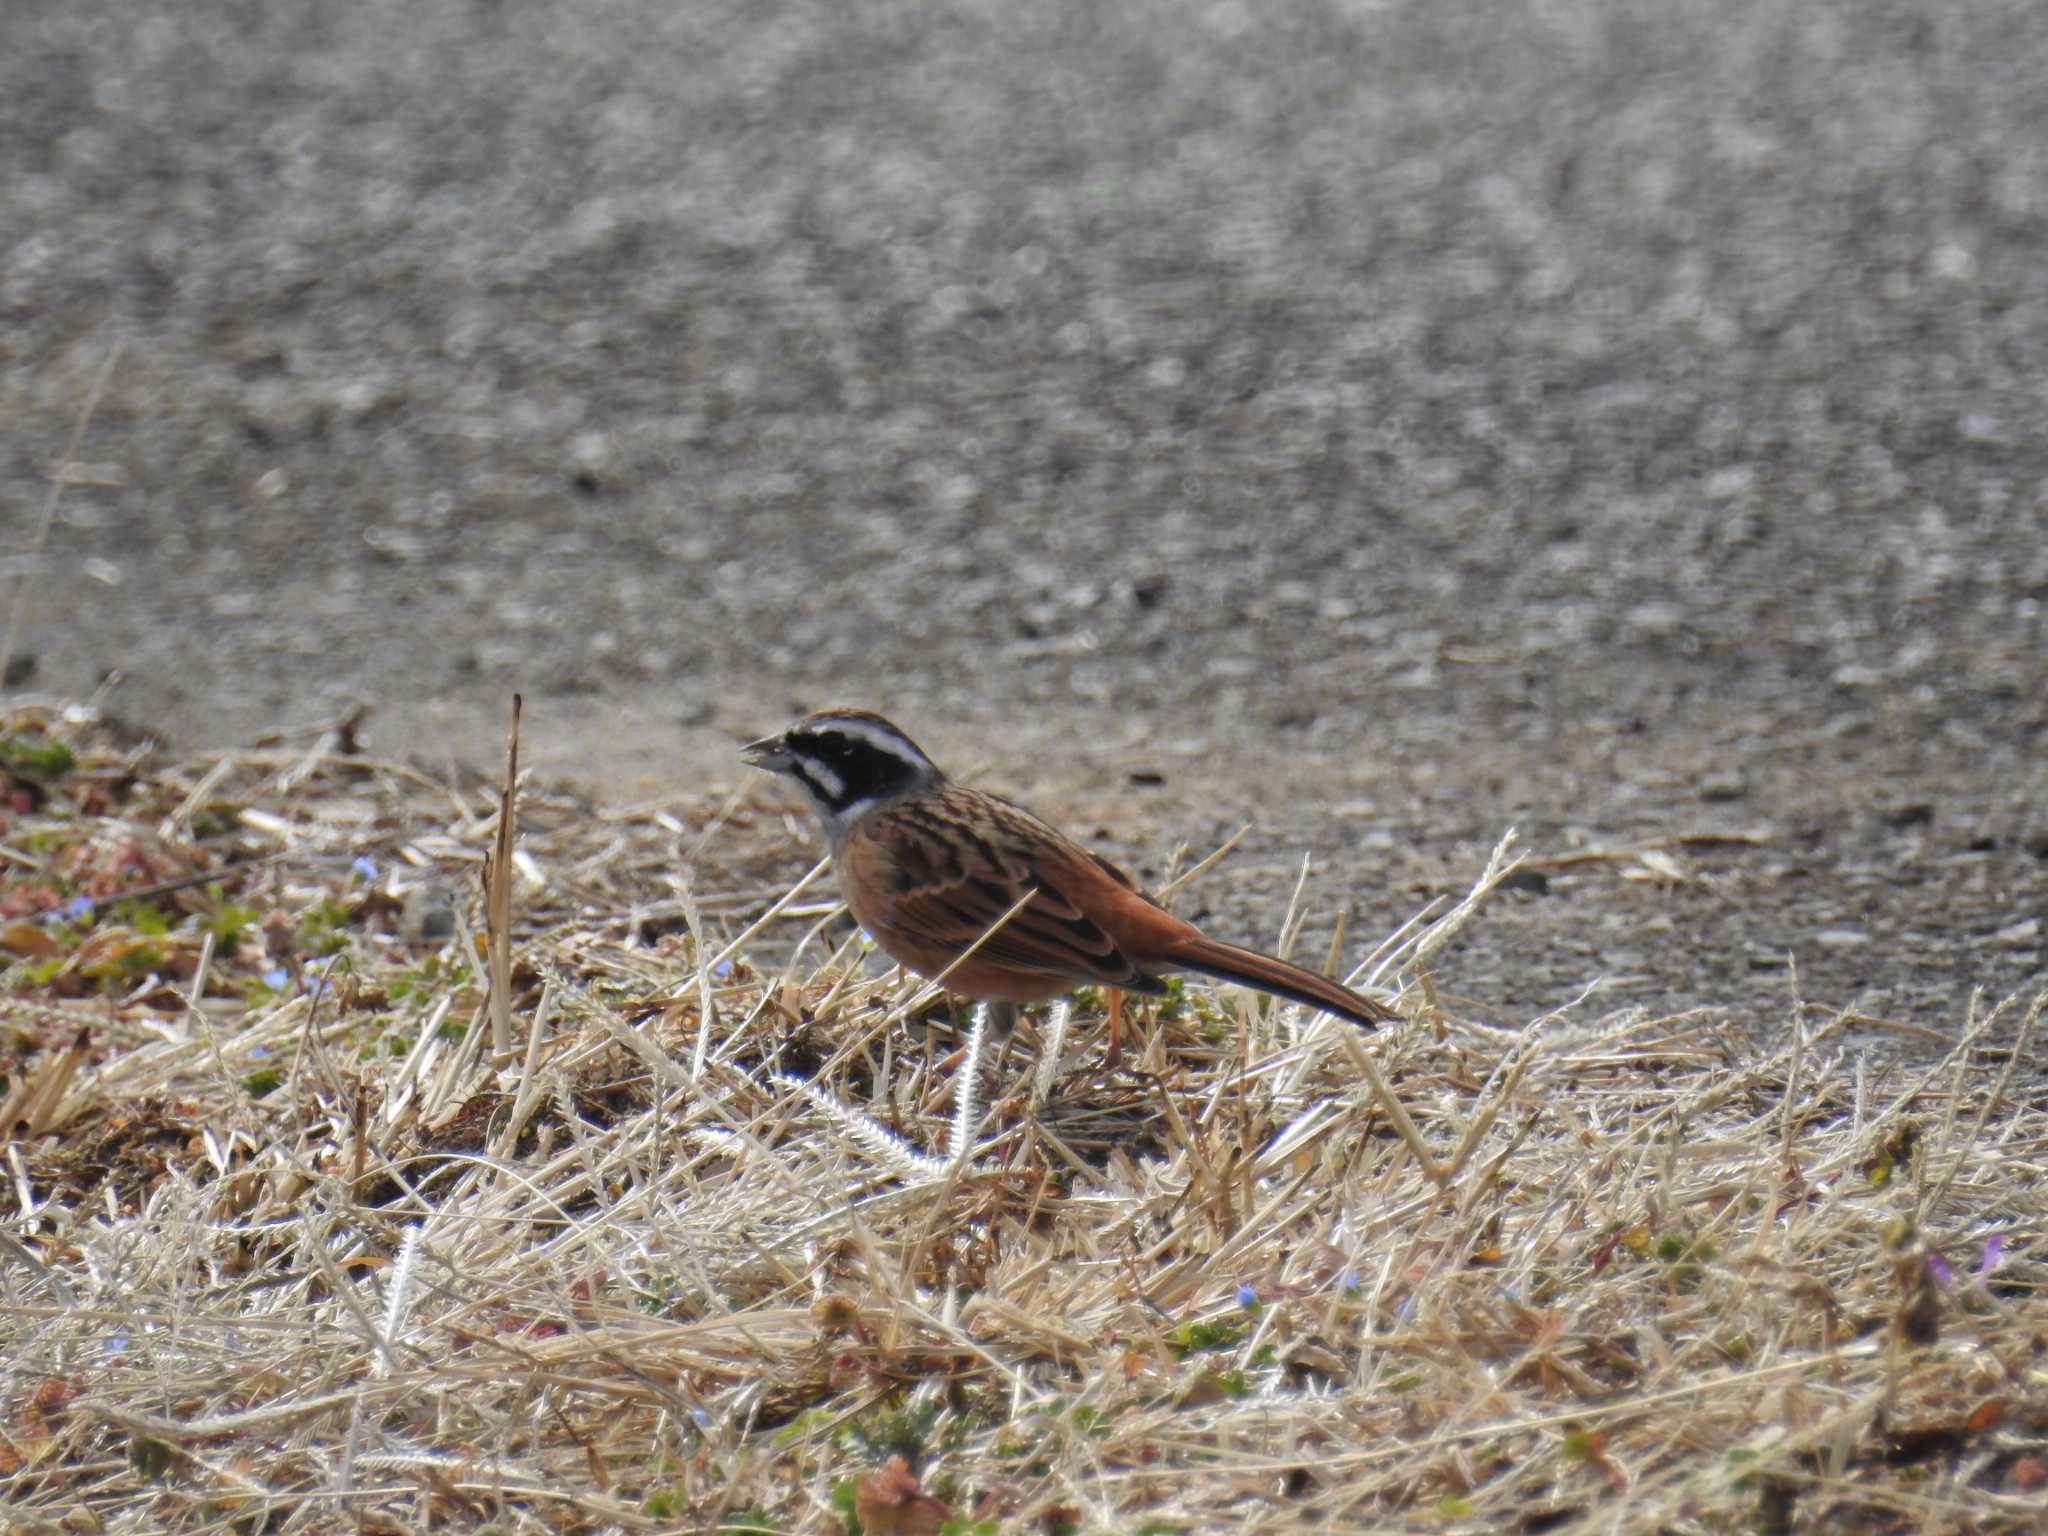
1384	425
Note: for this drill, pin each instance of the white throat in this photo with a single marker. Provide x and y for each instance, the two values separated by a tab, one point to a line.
839	823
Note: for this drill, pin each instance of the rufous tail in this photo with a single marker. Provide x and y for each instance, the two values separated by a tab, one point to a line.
1263	973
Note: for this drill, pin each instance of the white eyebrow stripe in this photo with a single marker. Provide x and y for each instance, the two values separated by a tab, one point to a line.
882	739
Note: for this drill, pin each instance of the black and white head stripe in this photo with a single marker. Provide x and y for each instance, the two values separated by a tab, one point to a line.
848	758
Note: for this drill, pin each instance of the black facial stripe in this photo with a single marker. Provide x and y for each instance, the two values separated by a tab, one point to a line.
862	770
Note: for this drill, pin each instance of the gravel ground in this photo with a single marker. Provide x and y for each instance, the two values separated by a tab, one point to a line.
1383	423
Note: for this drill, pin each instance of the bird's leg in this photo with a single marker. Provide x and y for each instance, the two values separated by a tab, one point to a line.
1114	1053
998	1022
960	1018
1002	1024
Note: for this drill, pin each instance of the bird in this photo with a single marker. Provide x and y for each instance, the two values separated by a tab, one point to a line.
933	869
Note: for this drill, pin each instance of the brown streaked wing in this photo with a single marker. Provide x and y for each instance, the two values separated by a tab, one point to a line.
955	873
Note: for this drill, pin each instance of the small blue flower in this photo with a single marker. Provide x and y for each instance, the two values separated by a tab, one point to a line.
276	977
1994	1252
365	866
76	909
117	1342
1349	1285
1248	1296
722	970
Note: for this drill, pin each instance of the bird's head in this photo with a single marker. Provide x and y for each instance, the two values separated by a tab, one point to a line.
847	760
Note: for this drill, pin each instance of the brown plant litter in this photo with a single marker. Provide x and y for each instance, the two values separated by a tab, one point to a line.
721	1232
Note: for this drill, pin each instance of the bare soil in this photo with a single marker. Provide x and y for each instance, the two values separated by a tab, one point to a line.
1381	424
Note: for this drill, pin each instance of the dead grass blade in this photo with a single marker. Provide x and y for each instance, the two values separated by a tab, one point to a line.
722	1237
498	900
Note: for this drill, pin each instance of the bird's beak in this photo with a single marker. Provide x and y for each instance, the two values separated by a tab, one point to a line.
769	752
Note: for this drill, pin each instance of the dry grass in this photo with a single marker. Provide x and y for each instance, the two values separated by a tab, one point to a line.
701	1244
